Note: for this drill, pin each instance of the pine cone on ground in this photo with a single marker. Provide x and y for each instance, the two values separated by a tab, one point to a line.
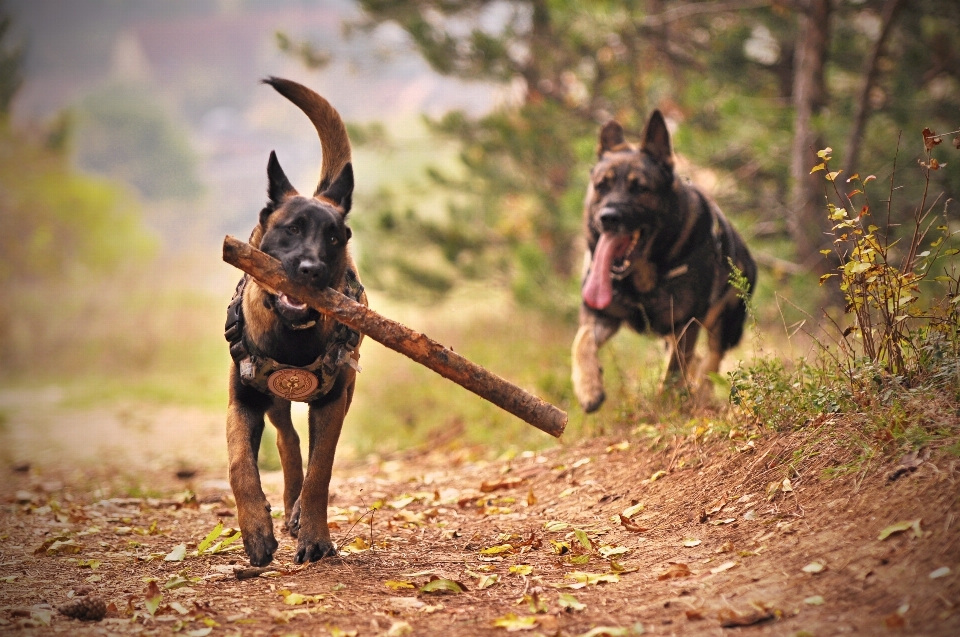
87	608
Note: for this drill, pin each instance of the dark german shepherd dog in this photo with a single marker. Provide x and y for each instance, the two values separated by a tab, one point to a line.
659	259
284	350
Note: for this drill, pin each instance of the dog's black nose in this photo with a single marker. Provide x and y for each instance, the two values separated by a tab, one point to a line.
312	270
610	219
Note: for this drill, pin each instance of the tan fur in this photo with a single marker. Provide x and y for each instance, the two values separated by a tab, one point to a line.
329	125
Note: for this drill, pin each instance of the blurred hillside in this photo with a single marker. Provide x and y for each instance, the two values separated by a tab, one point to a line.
174	86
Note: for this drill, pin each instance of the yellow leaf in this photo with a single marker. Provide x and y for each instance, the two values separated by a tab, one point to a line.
398	584
832	176
818	167
512	623
497	550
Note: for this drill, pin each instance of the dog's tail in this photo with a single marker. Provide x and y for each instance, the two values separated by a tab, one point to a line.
329	125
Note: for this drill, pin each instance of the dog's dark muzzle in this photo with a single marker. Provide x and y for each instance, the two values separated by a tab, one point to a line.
611	220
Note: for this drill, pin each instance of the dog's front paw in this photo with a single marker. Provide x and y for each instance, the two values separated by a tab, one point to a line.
592	402
260	545
587	376
293	519
313	550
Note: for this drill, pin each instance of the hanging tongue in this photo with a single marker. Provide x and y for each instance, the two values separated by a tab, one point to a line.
598	288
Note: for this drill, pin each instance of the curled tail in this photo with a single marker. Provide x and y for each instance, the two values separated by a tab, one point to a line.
329	125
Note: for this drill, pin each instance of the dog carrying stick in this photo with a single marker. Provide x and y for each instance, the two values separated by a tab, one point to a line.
399	338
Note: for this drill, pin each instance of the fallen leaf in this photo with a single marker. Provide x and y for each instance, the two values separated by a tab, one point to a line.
531	498
815	600
675	570
339	632
631	511
628	525
64	547
694	614
296	599
691	542
732	619
582	578
560	548
441	585
555	526
610	551
657	475
488	580
894	621
583	539
814	568
180	608
508	483
178	554
91	564
899	527
199	632
397	585
620	446
497	550
716	506
152	598
399	628
399	503
723	521
569	602
513	623
211	537
786	486
358	545
521	569
943	571
726	566
609	631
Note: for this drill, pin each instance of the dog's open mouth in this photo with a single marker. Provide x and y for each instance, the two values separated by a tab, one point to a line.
292	309
609	260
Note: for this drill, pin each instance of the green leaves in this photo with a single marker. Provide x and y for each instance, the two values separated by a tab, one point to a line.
440	585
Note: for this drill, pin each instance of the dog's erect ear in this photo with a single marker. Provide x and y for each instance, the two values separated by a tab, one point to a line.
278	186
611	136
340	191
656	140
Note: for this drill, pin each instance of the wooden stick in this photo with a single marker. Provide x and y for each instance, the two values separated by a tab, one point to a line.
429	353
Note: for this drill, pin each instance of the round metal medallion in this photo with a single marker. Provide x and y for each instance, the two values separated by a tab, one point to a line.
292	384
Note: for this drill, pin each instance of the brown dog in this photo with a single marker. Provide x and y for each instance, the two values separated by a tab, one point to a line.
284	350
659	259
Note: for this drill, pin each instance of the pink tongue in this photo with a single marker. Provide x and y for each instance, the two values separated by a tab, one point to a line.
598	288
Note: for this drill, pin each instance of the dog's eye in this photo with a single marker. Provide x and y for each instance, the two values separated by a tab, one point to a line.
334	241
603	187
635	186
293	229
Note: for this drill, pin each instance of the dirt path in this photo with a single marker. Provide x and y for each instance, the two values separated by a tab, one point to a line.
534	542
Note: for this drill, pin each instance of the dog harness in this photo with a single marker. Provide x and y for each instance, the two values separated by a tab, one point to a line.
300	384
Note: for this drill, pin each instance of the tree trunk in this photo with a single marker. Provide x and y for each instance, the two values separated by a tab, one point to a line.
808	221
890	10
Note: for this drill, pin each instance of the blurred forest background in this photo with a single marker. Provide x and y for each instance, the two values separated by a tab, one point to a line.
134	135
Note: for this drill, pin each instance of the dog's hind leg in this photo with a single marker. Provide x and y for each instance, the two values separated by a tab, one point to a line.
680	357
244	429
587	374
326	421
288	444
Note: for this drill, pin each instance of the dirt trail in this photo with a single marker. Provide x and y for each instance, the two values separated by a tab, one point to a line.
535	541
